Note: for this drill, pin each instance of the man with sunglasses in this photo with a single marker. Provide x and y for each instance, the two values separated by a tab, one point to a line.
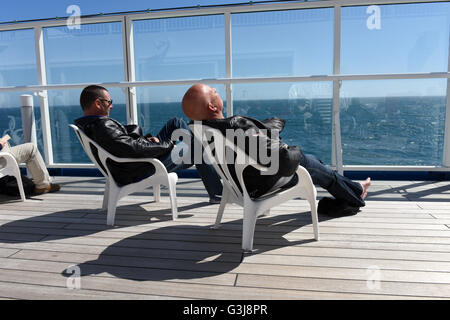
128	141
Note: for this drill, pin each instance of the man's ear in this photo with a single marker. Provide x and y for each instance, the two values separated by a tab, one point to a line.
94	104
212	107
97	105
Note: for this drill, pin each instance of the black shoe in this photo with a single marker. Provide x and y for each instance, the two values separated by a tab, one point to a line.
215	200
52	187
336	208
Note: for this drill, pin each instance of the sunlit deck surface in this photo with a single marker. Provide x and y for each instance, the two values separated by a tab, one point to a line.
401	237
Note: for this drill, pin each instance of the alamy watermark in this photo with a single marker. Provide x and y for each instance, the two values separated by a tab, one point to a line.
73	281
260	146
74	20
373	278
373	22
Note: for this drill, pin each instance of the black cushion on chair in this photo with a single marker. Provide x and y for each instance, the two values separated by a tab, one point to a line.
335	208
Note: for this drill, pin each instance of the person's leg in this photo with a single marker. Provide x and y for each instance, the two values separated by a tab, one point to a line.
165	134
365	184
337	185
171	166
210	178
29	154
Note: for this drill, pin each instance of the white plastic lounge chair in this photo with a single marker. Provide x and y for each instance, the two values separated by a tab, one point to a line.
113	191
11	168
233	194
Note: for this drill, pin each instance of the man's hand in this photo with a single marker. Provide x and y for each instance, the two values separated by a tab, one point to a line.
4	140
153	139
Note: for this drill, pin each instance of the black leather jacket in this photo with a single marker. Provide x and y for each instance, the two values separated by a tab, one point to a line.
124	142
289	156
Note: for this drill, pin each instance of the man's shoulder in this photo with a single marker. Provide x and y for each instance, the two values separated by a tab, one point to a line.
245	123
95	126
93	120
230	121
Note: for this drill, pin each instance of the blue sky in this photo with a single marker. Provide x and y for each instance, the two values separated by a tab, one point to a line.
41	9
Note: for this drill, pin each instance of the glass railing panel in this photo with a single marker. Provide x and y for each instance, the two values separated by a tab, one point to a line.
179	48
11	118
282	43
393	122
156	105
306	107
64	108
400	38
91	54
17	58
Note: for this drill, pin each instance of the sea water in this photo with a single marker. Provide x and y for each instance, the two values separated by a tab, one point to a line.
375	131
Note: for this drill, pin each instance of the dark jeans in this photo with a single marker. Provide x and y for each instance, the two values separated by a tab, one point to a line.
337	185
210	178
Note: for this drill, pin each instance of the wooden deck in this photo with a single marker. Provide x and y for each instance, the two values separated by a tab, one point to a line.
397	247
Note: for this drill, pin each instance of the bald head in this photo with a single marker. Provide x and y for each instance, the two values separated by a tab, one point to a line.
201	102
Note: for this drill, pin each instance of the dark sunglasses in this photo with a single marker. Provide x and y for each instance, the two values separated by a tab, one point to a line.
110	102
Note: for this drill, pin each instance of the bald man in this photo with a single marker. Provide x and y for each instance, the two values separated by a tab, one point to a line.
202	103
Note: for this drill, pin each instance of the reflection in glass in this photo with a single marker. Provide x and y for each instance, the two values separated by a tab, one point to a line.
93	53
11	118
396	38
179	48
156	105
306	107
282	43
64	109
17	58
393	122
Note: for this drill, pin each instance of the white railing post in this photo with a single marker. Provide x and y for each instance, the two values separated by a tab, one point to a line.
446	149
129	68
28	121
228	64
336	123
43	97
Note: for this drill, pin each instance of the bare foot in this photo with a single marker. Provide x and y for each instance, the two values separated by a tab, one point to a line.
365	185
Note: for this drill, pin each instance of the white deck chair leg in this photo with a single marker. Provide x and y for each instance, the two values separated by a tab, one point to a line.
21	191
248	229
173	195
223	203
106	196
315	219
16	172
113	199
157	192
112	205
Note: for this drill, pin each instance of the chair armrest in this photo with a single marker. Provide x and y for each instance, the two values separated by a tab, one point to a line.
157	163
239	168
8	156
10	166
104	155
301	172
